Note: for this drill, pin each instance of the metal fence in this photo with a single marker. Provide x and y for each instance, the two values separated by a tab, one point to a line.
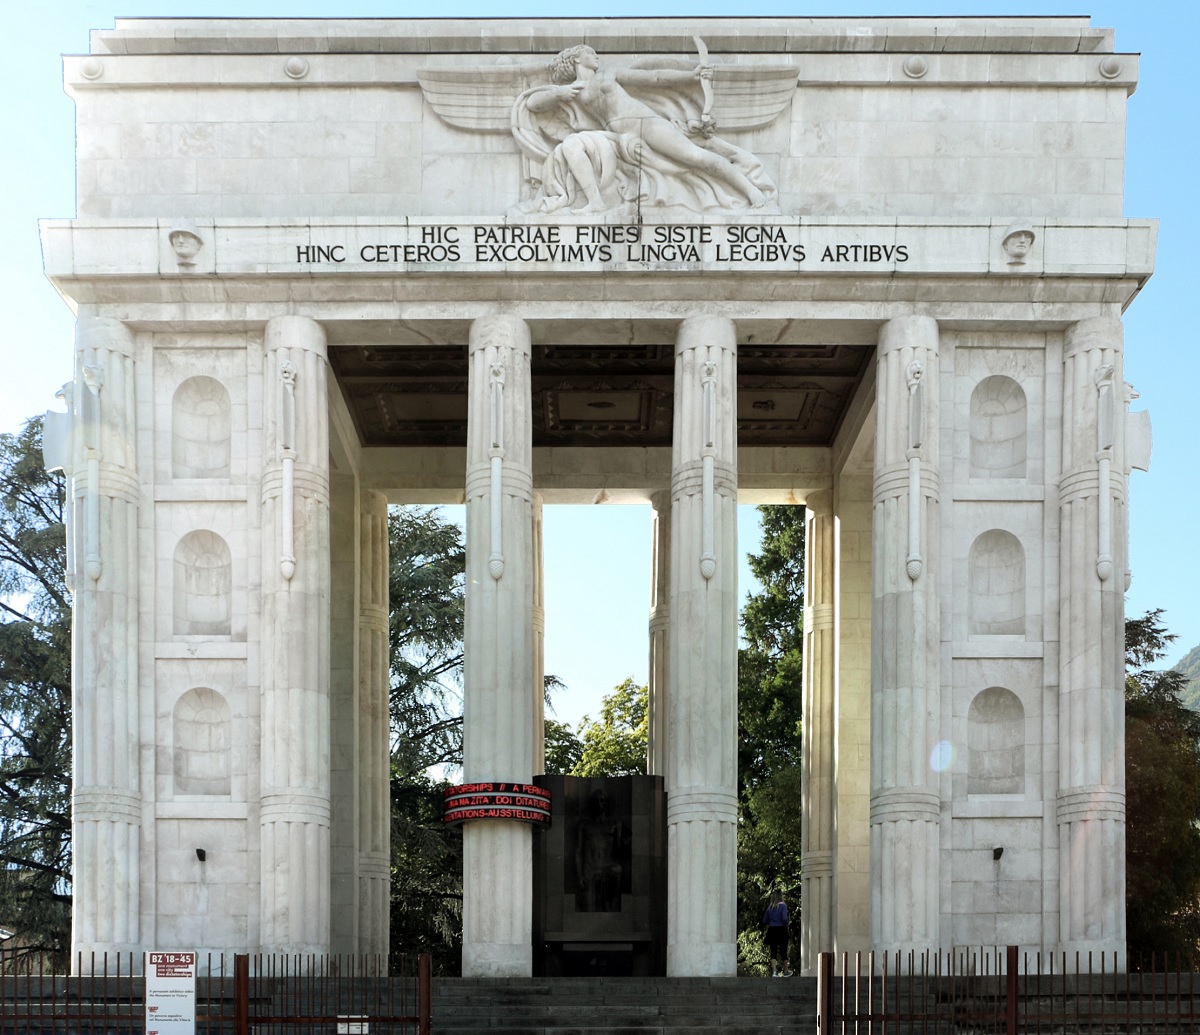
1003	992
239	995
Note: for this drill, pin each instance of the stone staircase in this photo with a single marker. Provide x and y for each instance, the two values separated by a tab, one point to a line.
625	1006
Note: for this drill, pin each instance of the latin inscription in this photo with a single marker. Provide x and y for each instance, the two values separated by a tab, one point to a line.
752	245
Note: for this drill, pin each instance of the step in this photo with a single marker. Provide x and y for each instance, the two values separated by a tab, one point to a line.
624	1006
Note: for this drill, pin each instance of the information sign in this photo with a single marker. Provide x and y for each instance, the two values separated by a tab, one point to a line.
170	993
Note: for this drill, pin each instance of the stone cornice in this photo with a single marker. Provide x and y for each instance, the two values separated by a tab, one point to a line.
913	67
425	36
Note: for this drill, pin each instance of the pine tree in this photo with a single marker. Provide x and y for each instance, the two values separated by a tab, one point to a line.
1162	798
35	702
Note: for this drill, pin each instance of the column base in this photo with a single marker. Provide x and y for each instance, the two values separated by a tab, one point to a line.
1084	948
497	961
714	959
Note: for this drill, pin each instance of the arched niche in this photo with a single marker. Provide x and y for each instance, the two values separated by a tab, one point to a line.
200	429
203	585
999	429
996	743
996	585
201	734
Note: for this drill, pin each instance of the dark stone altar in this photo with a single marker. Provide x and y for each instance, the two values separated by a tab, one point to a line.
600	878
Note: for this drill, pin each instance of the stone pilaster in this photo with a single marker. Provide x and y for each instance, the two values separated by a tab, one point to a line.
817	803
702	764
498	668
852	712
1092	563
539	638
658	741
905	642
105	562
294	811
374	819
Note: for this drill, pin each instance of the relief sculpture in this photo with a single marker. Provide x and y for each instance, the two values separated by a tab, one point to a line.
608	137
617	140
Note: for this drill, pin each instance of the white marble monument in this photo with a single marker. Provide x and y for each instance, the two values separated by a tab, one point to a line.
872	266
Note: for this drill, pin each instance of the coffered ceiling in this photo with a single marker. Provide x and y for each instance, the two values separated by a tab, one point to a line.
607	394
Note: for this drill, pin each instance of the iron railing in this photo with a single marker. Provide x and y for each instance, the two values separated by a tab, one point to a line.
1003	992
267	995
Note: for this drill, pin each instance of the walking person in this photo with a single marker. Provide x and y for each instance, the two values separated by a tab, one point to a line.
775	920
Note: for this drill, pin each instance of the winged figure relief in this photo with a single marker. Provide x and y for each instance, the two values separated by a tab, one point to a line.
617	140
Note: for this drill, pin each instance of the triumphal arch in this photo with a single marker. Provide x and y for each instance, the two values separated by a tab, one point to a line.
876	267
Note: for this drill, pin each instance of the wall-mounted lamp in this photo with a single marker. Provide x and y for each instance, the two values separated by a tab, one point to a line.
201	854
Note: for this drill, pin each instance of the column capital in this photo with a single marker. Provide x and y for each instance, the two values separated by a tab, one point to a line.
706	330
102	332
501	330
820	503
911	331
295	332
1097	332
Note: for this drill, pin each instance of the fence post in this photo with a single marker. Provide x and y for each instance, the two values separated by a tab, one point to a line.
824	993
241	994
425	994
1010	999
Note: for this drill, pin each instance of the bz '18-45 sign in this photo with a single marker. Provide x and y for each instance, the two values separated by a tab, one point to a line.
170	993
523	802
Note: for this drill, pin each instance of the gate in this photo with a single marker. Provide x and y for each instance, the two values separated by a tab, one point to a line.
267	995
1002	992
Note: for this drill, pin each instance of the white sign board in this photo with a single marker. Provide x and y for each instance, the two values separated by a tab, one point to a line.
170	993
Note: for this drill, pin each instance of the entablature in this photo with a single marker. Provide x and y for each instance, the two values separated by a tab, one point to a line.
756	258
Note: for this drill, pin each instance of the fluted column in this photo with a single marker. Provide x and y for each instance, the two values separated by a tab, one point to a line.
702	764
1092	563
294	810
658	741
498	666
817	818
539	639
106	565
374	820
905	640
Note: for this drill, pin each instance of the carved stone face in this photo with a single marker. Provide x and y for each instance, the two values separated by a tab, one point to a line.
185	245
588	58
1017	245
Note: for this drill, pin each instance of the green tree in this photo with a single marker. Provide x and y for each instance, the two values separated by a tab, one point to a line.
769	728
427	563
35	701
564	750
616	745
1162	794
425	587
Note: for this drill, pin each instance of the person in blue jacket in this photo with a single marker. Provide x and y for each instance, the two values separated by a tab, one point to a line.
775	920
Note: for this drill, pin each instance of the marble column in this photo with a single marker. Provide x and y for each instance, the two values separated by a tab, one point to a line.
905	641
538	683
817	804
373	757
658	741
106	565
498	644
1092	563
294	812
702	763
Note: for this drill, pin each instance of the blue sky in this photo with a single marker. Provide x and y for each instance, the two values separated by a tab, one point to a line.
596	625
